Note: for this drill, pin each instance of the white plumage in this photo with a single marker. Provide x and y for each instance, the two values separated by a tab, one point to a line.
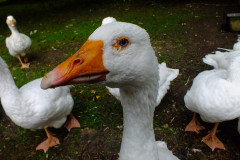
215	93
17	43
108	20
219	60
32	107
119	55
166	75
236	46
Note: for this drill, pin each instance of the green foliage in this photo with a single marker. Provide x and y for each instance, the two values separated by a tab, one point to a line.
58	31
88	107
54	30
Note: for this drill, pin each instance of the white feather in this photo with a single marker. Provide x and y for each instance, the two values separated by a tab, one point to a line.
32	107
215	93
108	20
166	75
220	60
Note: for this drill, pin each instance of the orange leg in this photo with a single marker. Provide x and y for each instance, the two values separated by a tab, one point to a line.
212	141
72	122
50	142
25	59
24	65
194	125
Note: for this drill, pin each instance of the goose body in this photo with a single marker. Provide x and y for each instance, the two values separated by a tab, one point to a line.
215	93
17	43
214	97
35	108
119	55
30	106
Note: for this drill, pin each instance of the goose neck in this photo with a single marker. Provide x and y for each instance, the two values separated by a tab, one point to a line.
8	88
13	29
138	134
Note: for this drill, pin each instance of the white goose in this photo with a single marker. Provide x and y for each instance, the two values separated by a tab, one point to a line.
34	108
166	75
119	55
17	43
215	94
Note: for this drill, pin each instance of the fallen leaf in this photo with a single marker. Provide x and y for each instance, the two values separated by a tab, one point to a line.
93	91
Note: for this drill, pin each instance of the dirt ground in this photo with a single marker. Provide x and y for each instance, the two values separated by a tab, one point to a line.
202	37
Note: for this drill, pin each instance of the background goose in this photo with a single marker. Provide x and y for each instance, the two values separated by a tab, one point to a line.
17	43
34	108
215	95
119	55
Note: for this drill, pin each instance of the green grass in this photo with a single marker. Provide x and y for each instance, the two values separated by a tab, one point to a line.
61	30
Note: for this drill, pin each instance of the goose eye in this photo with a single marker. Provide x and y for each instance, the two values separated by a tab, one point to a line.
123	42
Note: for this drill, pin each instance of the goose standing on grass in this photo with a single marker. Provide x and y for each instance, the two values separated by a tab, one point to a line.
215	95
34	108
17	43
120	55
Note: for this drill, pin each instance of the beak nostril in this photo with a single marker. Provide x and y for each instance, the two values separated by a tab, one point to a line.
77	61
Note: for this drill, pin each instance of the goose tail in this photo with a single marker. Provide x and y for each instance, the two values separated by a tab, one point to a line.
166	76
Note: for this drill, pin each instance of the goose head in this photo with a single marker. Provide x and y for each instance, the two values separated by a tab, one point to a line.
11	21
116	54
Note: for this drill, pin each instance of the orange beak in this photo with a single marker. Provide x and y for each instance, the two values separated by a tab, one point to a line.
86	65
11	22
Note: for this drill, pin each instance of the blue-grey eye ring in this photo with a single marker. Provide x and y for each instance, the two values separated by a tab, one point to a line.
123	42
